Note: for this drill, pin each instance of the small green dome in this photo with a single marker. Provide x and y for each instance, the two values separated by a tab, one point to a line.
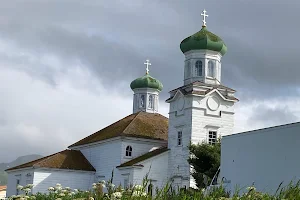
146	81
203	40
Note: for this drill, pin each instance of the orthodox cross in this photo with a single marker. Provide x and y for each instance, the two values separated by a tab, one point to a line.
204	16
147	63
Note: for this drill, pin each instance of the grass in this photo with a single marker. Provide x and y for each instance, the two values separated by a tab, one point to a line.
138	192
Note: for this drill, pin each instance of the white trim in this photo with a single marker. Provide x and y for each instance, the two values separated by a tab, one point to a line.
21	169
41	169
178	92
94	143
121	138
141	162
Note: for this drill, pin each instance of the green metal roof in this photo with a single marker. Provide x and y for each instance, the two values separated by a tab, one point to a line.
203	39
146	81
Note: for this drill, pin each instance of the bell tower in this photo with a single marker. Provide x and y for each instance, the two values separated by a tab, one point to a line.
146	92
202	109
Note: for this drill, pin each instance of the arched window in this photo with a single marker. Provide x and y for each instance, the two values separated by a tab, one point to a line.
151	101
142	102
211	69
198	68
129	151
188	70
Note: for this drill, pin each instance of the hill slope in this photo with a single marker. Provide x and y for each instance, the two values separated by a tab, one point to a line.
20	160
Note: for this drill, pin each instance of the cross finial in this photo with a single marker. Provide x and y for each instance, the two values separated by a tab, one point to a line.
204	16
147	63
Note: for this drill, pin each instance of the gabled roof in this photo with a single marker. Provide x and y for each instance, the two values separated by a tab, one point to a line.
141	124
144	157
200	83
210	88
67	159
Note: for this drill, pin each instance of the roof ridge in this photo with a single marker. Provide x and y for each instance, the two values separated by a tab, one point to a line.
33	161
131	122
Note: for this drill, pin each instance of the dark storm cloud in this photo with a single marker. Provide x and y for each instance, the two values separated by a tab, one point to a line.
114	38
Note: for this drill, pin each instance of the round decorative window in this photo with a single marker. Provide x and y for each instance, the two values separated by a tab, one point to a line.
213	103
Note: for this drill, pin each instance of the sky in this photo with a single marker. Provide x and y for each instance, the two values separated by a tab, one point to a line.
66	65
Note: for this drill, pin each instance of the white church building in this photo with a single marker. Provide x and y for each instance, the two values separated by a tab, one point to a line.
202	109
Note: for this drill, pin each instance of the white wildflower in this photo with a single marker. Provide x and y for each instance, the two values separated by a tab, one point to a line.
102	182
26	197
95	187
91	198
116	195
27	190
58	185
22	198
58	188
51	189
58	199
64	191
139	194
62	194
94	184
75	190
112	185
138	187
72	193
19	187
13	196
67	188
29	186
251	188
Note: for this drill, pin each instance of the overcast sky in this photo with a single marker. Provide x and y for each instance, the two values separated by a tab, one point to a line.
66	65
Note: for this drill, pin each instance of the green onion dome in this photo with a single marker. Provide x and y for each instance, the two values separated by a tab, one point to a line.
203	40
146	81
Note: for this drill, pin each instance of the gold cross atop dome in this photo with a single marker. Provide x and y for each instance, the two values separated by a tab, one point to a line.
204	17
147	63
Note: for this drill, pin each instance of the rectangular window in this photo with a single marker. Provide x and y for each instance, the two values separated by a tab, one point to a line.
179	138
125	183
212	137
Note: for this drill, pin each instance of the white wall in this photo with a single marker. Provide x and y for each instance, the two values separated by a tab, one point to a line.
195	121
266	157
139	147
158	171
104	157
44	178
24	180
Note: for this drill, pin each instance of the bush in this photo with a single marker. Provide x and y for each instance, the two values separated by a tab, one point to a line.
205	160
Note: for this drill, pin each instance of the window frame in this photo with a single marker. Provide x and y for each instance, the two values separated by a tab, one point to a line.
142	101
211	68
212	137
198	68
151	101
128	151
188	70
179	138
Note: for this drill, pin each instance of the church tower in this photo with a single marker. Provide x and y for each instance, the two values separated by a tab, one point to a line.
146	92
202	109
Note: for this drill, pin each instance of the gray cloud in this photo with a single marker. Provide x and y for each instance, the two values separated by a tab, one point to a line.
50	39
266	116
